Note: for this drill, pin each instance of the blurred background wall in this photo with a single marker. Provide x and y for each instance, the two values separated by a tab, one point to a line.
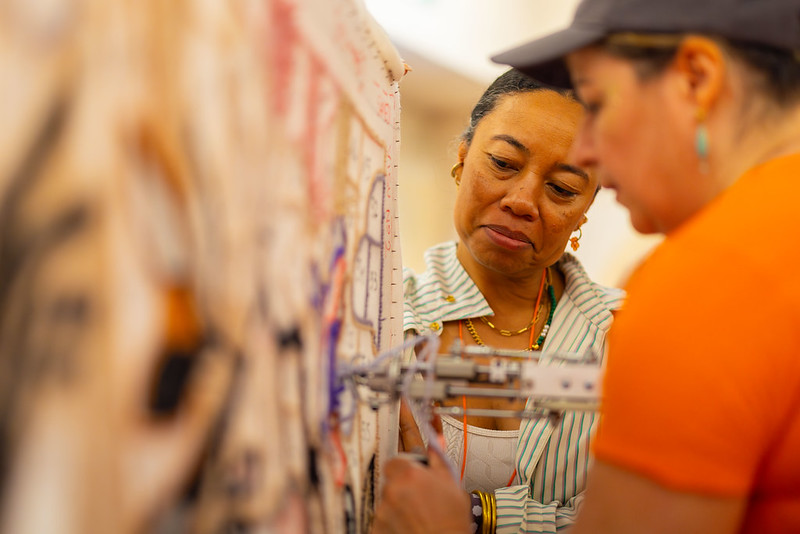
448	43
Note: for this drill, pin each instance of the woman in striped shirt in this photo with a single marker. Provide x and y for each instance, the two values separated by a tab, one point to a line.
508	283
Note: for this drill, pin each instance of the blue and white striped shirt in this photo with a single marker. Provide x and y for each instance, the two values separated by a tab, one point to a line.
552	456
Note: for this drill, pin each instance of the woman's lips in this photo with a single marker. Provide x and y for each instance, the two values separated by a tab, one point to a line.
507	238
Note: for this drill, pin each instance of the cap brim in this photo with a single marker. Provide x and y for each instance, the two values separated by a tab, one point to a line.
543	59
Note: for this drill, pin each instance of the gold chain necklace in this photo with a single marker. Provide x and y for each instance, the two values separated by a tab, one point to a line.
477	338
473	333
509	333
534	345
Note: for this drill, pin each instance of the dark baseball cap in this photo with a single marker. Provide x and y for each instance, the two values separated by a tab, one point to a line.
774	23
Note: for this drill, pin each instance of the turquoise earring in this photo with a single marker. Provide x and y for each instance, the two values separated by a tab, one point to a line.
701	142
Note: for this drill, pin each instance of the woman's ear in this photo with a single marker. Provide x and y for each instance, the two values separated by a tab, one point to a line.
701	65
583	221
462	151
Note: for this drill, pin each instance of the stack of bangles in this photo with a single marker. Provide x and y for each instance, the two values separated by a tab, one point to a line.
486	522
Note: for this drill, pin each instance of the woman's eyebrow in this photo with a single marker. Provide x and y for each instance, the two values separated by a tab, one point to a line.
574	170
511	140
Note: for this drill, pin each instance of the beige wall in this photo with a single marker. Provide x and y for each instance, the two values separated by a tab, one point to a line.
435	109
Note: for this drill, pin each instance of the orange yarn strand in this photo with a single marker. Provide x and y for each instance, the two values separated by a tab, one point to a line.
464	420
536	306
513	476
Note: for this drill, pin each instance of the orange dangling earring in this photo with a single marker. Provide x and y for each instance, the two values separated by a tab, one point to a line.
573	241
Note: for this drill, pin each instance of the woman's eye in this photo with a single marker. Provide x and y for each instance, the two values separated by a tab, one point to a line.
563	192
500	164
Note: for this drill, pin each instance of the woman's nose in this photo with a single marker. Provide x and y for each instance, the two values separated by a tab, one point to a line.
521	196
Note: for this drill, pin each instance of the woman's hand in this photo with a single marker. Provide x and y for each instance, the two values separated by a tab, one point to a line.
420	499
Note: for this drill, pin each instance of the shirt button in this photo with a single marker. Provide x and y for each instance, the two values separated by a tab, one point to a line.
434	326
450	298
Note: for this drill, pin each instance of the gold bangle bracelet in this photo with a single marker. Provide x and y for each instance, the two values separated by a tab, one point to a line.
492	513
488	511
485	499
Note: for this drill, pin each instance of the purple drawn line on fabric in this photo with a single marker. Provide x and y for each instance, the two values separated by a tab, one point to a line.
323	289
333	328
366	245
327	309
336	387
318	296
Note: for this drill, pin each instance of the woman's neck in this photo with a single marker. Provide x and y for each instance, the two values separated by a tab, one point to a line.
507	295
762	141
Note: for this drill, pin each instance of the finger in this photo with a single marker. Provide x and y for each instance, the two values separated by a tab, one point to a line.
410	436
397	467
436	422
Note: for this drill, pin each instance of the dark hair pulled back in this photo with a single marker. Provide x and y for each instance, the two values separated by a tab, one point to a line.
510	82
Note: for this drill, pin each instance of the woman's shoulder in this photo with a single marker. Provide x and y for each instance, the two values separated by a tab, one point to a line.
424	292
440	262
443	292
579	286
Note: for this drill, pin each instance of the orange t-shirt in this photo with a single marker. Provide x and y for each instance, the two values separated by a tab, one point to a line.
702	388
